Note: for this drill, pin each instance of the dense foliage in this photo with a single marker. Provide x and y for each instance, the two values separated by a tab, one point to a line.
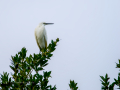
23	66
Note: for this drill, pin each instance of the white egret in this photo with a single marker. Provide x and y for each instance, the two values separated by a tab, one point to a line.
41	35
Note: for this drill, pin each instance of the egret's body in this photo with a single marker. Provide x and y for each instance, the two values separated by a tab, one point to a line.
41	35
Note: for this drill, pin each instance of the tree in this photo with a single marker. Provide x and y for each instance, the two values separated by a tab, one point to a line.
22	66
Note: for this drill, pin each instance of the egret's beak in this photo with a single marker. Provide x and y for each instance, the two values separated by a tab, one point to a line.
48	23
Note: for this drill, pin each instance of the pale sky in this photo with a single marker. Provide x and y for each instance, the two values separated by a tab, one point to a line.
89	33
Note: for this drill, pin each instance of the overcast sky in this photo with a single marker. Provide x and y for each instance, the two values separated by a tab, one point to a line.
89	32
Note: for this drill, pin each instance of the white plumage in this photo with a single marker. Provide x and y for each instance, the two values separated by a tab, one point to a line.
41	35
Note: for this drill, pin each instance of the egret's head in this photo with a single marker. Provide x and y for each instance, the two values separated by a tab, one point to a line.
44	23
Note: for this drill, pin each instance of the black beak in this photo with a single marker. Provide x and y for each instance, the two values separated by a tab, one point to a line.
48	23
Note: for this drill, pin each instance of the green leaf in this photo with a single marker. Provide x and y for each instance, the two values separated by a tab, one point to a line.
73	85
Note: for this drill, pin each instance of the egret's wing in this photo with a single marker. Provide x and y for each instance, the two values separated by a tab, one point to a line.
37	40
45	42
45	38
